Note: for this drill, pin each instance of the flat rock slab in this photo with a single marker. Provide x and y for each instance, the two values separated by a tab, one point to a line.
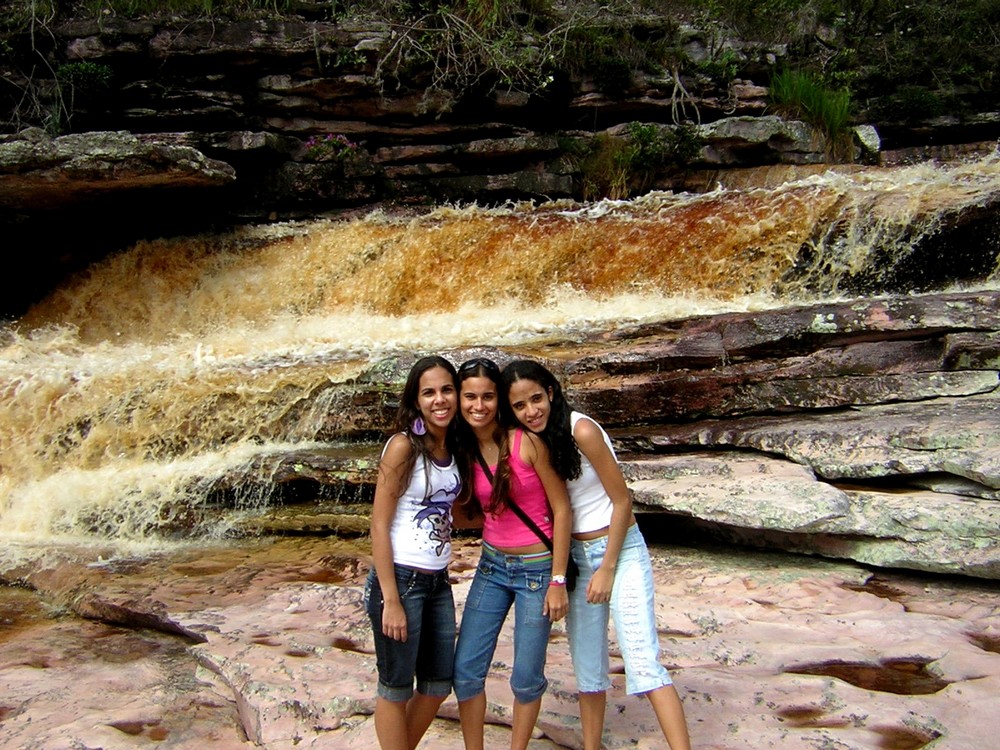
767	651
50	172
739	489
764	501
959	436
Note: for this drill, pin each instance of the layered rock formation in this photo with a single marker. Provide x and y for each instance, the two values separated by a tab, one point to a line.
866	430
863	431
247	97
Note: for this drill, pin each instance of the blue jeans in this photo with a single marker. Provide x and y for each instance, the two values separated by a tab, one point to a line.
503	581
428	652
631	607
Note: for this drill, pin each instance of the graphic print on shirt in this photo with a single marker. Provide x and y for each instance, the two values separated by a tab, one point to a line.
437	513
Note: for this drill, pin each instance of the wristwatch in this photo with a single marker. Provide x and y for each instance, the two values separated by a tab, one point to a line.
558	581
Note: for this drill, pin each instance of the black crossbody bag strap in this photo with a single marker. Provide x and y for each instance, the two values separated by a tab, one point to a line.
514	506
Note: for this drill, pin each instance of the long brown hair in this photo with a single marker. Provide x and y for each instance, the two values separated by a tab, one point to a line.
468	442
558	433
409	411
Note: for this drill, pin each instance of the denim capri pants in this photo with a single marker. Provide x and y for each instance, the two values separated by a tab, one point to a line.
428	652
631	607
503	581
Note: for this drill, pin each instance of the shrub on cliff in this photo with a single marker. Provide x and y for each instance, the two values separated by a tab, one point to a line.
802	95
621	166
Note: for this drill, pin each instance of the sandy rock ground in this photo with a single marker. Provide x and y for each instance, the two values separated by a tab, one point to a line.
267	645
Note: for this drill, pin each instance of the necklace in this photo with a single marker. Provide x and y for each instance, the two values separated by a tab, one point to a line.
490	452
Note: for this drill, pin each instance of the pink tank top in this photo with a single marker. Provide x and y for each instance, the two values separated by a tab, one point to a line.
506	529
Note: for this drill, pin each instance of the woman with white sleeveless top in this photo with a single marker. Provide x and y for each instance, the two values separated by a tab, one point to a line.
616	575
408	595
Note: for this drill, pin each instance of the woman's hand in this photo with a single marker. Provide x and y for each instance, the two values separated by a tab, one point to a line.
388	488
394	620
599	588
556	603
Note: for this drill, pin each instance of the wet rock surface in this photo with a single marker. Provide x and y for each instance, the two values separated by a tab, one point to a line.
54	172
267	642
866	430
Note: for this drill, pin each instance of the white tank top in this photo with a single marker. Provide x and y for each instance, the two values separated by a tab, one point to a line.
591	504
421	528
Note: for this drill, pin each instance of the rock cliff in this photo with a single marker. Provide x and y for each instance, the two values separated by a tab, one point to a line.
216	122
865	431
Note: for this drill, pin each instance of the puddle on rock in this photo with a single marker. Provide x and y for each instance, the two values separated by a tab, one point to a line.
346	644
904	738
899	676
889	737
881	588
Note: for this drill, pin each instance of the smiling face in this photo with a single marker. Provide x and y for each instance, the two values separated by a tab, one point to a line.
479	402
437	399
531	404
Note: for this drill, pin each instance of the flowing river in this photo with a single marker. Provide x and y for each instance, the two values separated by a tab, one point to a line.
129	392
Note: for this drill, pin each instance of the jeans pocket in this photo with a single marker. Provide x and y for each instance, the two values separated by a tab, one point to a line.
595	551
535	581
406	580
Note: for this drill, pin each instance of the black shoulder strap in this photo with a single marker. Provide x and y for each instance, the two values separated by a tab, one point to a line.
525	518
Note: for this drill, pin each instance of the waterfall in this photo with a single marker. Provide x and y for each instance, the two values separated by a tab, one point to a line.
128	393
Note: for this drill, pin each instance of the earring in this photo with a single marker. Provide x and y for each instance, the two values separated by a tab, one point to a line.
418	427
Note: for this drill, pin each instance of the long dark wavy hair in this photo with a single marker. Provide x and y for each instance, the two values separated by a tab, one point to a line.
468	443
558	433
408	412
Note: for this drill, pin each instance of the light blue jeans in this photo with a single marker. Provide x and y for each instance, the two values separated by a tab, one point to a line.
631	607
503	581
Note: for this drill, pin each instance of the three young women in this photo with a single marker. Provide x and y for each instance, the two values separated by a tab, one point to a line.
516	568
615	571
407	594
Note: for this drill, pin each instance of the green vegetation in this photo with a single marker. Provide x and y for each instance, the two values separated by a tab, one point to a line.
49	98
620	167
472	46
908	104
801	95
329	147
766	21
27	14
223	8
883	50
612	54
951	48
722	67
84	77
894	59
607	170
79	85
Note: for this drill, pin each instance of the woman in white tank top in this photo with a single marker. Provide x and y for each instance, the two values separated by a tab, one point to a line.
407	594
616	576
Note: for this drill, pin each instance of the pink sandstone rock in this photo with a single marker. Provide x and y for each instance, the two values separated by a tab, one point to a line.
766	650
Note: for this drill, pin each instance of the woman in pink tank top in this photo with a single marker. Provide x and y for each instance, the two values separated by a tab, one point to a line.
517	568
